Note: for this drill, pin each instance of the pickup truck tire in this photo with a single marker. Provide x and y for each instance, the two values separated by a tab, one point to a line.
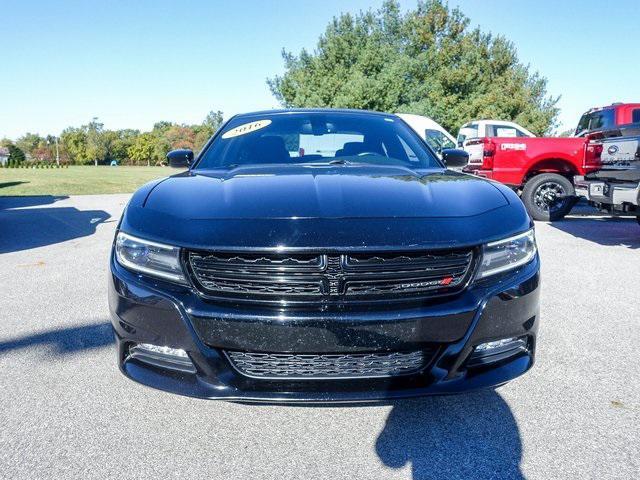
548	196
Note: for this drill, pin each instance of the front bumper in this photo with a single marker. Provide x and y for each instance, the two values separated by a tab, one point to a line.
146	310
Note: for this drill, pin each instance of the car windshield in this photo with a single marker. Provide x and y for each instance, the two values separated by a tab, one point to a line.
316	138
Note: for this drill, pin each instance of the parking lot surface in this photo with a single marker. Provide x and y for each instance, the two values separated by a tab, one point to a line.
67	412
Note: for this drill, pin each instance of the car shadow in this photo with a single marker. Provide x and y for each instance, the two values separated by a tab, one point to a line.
11	202
11	184
602	230
64	340
24	226
463	436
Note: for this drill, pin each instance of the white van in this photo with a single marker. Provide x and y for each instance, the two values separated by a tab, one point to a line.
430	131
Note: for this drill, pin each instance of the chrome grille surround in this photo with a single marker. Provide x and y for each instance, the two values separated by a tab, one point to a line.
328	366
329	277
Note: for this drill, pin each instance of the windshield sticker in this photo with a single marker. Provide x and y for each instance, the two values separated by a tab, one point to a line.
246	128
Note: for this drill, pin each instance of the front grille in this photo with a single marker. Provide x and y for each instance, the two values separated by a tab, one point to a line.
328	366
327	277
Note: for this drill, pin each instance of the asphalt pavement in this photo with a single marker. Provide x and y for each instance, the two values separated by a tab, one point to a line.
67	412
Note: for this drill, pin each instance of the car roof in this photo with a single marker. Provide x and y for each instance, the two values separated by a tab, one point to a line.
288	111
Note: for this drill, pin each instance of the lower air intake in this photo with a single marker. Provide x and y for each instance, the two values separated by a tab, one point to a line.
328	366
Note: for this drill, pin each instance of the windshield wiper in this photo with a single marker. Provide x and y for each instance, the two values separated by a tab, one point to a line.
339	161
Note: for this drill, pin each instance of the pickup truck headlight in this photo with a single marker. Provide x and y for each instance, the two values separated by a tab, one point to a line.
149	257
507	254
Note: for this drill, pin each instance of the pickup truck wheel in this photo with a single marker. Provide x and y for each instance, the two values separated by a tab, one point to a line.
548	196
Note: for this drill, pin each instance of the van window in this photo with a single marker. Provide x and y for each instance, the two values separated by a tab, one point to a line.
635	115
437	140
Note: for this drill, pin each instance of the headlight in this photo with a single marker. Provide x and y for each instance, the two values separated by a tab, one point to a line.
149	257
507	254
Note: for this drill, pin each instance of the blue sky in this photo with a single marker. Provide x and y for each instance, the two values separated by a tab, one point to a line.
134	63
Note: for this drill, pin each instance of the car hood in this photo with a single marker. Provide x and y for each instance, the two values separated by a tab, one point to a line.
290	202
324	192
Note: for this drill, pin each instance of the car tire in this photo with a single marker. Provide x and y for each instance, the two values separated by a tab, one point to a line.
548	197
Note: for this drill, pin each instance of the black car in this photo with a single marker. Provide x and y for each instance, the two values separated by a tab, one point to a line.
323	256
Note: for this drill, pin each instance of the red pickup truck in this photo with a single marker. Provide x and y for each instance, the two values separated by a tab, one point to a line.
541	169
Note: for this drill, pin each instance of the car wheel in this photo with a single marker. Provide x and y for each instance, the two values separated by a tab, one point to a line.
548	196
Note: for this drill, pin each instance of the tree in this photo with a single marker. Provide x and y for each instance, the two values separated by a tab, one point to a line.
142	148
213	120
96	149
567	133
16	155
73	142
29	143
125	139
210	125
91	143
427	61
180	136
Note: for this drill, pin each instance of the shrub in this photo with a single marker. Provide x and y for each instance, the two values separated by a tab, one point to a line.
16	155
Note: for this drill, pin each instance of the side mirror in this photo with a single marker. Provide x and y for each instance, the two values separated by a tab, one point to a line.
180	158
453	157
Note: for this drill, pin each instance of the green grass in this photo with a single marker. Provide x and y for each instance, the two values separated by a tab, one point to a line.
81	180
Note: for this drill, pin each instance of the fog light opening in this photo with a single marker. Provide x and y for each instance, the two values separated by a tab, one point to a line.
497	350
174	352
490	347
162	356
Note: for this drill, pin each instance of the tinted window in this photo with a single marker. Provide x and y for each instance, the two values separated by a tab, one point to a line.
583	124
437	140
635	116
599	120
602	119
316	138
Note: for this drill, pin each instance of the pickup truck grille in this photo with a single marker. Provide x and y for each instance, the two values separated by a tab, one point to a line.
327	277
329	366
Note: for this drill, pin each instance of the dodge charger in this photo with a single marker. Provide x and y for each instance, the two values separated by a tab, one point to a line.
318	255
